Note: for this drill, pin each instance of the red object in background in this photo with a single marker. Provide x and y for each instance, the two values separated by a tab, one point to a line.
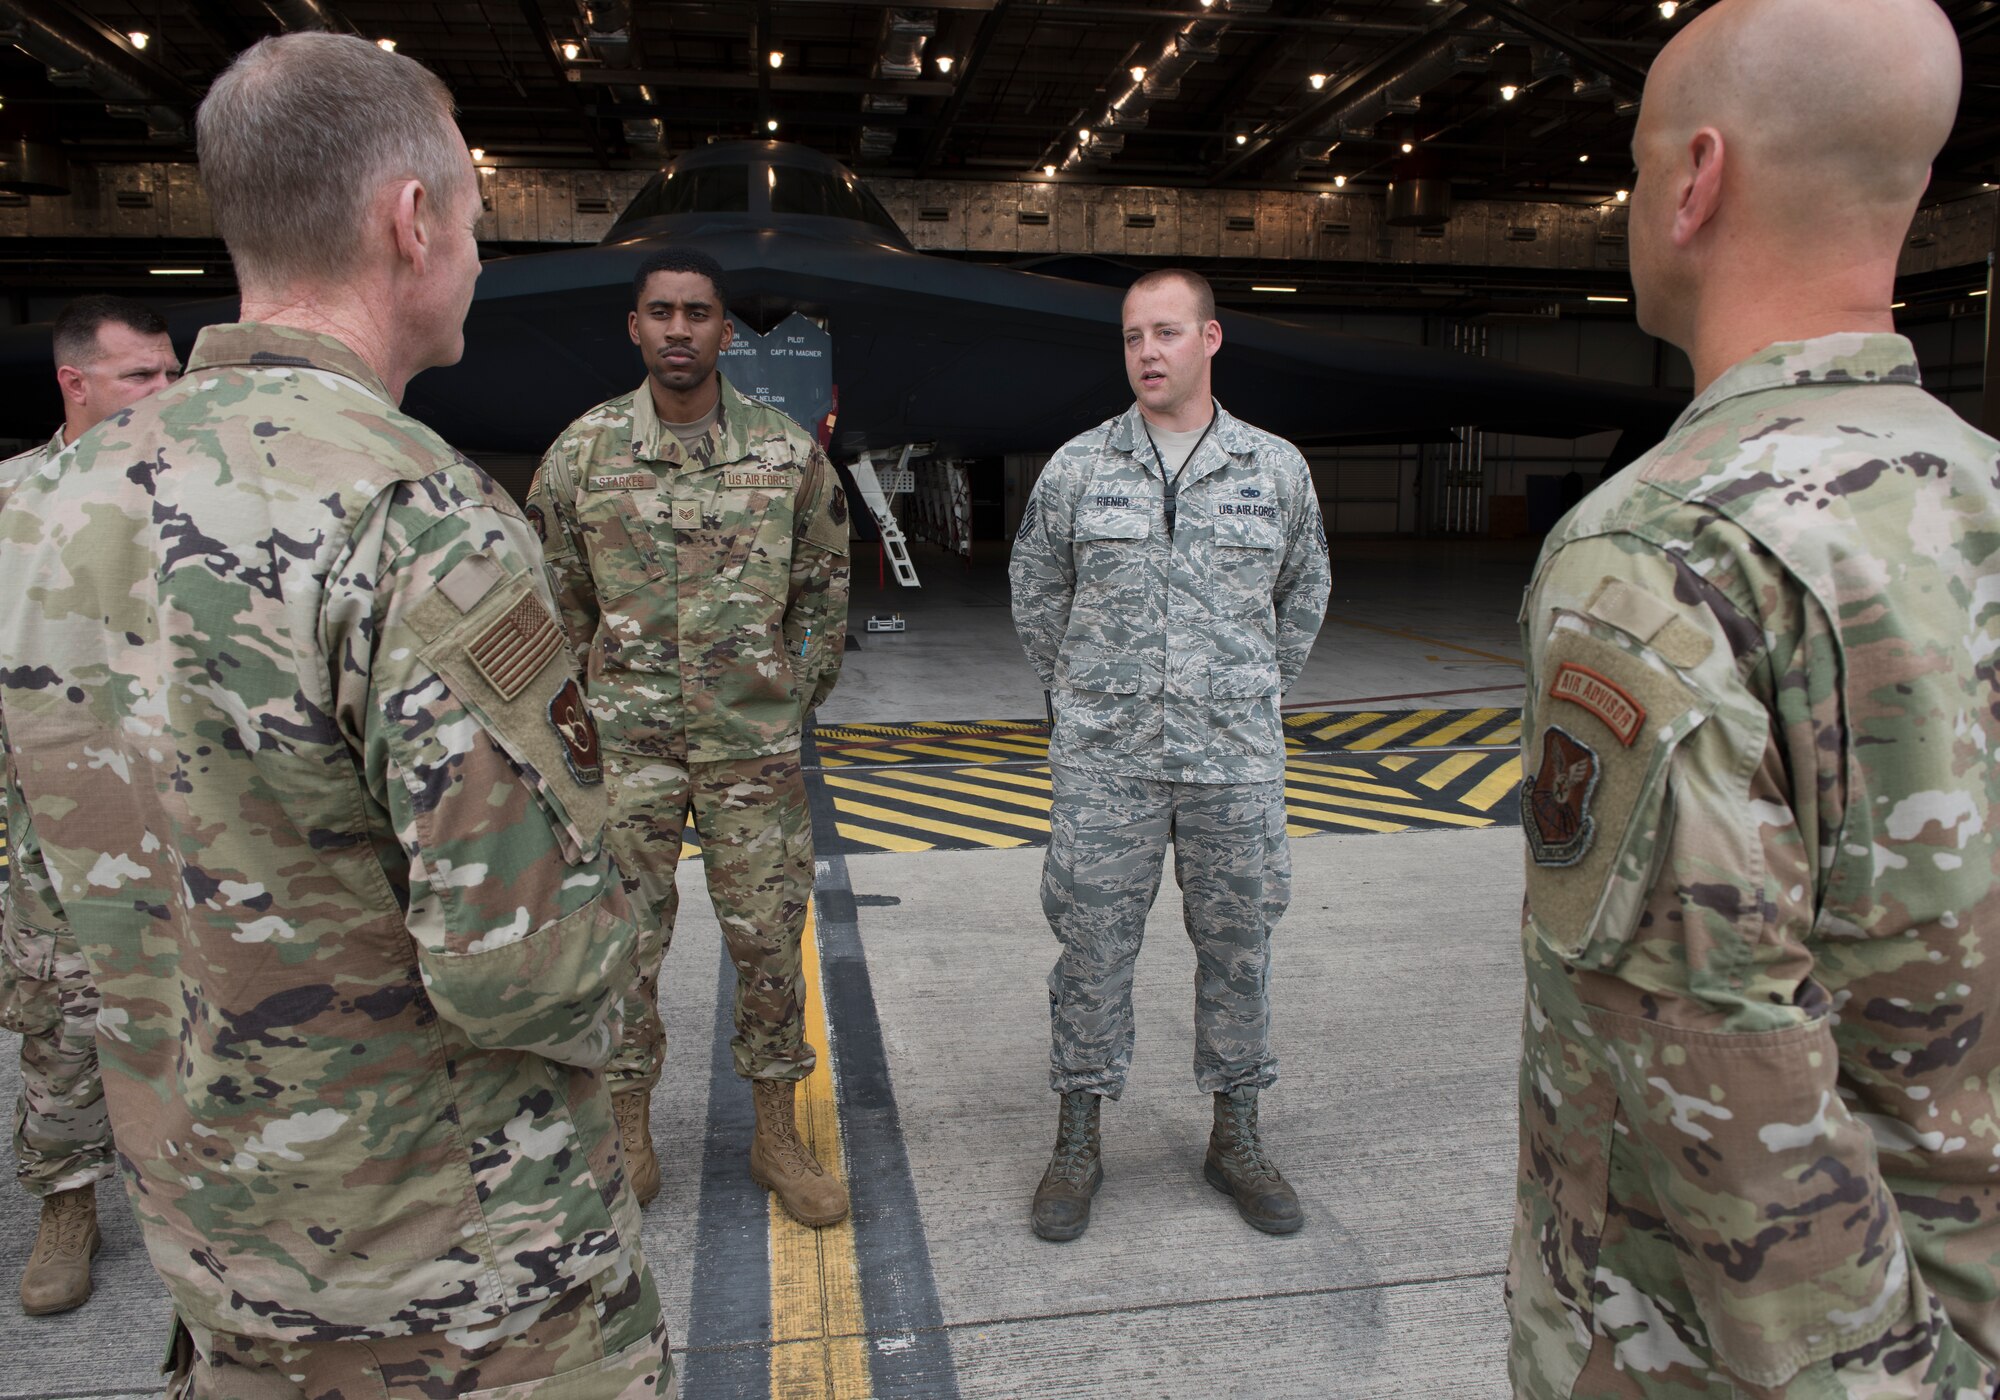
824	432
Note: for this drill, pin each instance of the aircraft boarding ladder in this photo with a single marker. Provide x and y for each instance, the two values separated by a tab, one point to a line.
877	500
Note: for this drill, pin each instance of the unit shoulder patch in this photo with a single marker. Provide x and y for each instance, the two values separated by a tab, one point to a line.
515	646
1555	803
575	726
1605	698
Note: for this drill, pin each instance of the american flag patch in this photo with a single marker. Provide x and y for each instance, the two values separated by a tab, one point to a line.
512	651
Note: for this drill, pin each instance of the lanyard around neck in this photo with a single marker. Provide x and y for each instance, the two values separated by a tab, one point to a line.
1171	479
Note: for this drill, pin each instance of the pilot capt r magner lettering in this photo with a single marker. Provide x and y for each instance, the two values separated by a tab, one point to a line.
1169	578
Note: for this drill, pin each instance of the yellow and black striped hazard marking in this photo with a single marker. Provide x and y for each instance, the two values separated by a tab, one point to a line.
989	806
927	743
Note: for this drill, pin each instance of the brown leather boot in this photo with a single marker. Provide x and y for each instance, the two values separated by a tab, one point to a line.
1062	1202
1236	1166
58	1274
634	1111
784	1166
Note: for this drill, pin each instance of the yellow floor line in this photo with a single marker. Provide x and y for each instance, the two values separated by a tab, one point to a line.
1508	733
1497	784
931	780
1465	724
1397	762
1349	785
885	840
821	1350
1013	748
942	804
1396	809
1451	768
1301	808
1034	782
1388	733
851	806
1355	721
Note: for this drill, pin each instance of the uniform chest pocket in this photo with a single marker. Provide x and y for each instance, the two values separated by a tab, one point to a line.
1246	553
1113	525
623	555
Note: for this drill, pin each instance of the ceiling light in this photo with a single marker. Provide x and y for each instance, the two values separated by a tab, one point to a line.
1207	4
1138	72
1616	301
1083	133
1049	170
386	45
571	49
944	63
139	38
1340	182
478	154
1624	195
1897	305
777	58
1980	293
1508	92
771	125
1318	81
1241	139
1273	289
1583	159
175	271
1408	147
1669	8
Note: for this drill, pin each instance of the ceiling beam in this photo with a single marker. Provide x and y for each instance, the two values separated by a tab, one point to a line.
779	82
1588	51
968	69
538	25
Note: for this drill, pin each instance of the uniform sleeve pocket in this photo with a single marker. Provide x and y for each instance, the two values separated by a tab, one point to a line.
1246	681
1597	801
506	664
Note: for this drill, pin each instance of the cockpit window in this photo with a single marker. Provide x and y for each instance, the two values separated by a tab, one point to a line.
797	190
720	189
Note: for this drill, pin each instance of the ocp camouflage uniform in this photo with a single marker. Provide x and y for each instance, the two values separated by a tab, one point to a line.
317	791
1166	655
1760	1104
705	594
62	1138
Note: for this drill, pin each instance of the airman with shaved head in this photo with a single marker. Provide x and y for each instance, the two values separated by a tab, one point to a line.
1760	1102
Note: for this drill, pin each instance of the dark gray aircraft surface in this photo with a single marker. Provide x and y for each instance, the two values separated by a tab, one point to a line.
976	359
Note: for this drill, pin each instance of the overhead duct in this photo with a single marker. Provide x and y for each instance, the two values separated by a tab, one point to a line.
80	52
1359	113
1197	41
607	32
32	167
900	57
297	15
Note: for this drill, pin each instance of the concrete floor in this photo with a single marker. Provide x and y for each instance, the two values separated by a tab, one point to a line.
1397	998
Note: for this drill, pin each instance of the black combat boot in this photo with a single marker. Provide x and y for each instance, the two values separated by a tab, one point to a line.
1062	1201
1237	1166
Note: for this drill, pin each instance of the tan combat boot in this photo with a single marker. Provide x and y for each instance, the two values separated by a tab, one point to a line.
1236	1166
783	1165
1062	1202
58	1274
634	1111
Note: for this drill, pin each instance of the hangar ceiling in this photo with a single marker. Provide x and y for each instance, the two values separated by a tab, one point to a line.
1261	93
995	128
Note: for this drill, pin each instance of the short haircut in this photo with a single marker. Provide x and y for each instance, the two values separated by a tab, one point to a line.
297	136
78	323
1204	295
679	260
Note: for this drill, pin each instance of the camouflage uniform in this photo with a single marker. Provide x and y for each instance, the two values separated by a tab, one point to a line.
1760	1111
1166	654
62	1139
316	789
705	593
